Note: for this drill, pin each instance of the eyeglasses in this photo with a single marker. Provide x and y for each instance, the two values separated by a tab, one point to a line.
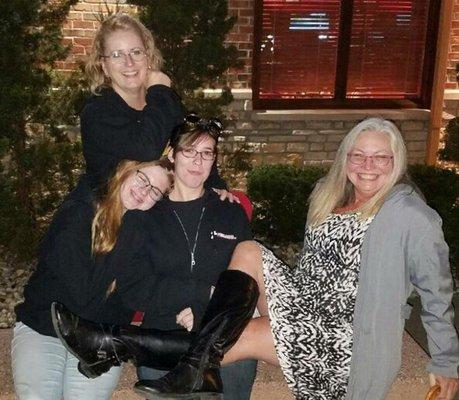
142	181
191	152
360	159
119	56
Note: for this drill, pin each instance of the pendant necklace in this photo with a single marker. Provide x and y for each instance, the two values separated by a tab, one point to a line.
191	249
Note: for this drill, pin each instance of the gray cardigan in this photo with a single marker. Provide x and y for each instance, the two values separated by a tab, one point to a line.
402	248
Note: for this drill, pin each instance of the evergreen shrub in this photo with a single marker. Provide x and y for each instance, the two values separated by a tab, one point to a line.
279	194
451	150
441	190
191	36
38	161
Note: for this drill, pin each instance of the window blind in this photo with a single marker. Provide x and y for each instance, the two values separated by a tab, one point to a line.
298	49
387	48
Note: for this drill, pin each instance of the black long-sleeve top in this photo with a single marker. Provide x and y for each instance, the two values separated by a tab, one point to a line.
65	269
112	131
151	261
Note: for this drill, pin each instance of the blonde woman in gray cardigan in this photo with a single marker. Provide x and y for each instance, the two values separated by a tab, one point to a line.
334	323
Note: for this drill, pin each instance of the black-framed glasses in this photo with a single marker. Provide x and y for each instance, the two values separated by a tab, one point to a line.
380	160
142	181
119	56
191	152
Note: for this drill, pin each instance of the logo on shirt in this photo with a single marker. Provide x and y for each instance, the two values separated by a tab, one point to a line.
220	235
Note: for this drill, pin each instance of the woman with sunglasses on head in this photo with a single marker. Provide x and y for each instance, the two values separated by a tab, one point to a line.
336	320
167	260
42	367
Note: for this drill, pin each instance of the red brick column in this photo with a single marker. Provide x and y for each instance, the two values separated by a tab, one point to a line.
242	37
453	52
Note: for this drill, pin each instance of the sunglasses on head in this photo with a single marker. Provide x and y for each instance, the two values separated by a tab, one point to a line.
212	125
193	123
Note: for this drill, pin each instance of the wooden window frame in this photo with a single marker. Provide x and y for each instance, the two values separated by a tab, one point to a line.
339	101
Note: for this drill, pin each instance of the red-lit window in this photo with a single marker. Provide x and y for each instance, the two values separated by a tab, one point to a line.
344	53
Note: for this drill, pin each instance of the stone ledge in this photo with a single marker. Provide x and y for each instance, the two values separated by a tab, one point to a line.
325	114
451	94
341	115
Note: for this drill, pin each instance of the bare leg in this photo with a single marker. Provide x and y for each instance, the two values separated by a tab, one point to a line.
247	258
256	341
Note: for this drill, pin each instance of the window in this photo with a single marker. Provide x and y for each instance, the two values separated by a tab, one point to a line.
344	53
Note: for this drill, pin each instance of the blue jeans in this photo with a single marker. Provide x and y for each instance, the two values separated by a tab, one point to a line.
44	370
237	377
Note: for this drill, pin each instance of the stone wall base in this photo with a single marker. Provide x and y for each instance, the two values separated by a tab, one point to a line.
304	137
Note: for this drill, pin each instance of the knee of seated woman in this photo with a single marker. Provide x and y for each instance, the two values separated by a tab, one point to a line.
246	255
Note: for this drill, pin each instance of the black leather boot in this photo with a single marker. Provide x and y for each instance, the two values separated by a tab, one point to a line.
197	374
99	347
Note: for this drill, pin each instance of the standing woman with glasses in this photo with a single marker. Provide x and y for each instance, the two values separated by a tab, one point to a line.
133	110
42	367
167	260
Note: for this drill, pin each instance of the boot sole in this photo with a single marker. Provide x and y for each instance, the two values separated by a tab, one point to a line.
58	331
148	395
84	368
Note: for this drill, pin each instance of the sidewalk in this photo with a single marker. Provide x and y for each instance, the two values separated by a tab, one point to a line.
410	385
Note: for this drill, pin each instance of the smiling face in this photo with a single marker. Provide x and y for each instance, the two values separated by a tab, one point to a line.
135	195
192	172
368	178
127	77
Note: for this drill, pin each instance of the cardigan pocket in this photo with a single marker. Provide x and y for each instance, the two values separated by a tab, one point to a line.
406	310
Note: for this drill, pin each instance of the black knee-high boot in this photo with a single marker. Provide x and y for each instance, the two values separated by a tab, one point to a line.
99	347
197	374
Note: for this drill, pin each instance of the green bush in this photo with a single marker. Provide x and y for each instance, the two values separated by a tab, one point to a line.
279	194
441	190
451	150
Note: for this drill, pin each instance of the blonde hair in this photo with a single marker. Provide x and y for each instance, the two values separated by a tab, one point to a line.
118	22
109	211
335	190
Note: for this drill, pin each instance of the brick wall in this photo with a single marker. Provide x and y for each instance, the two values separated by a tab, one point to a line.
453	52
242	37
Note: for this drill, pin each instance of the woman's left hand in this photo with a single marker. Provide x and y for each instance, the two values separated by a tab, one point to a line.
449	387
185	318
225	195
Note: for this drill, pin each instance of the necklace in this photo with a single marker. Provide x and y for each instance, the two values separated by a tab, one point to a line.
191	249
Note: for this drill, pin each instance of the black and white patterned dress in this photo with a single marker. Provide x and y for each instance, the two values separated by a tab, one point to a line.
311	307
